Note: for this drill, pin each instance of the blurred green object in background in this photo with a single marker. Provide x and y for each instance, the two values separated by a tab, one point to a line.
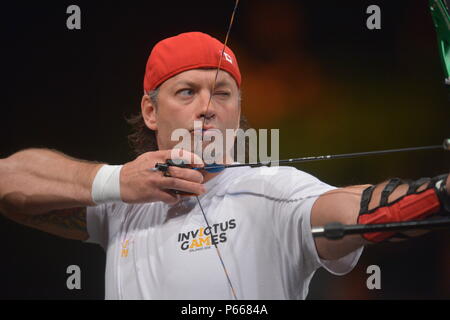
440	13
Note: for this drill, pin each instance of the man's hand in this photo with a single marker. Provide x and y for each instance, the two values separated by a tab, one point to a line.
138	184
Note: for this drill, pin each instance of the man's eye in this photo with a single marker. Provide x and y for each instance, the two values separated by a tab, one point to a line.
222	93
185	92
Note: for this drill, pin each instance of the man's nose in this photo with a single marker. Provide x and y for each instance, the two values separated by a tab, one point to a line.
206	108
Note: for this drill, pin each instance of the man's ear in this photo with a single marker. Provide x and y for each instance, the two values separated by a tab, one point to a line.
149	112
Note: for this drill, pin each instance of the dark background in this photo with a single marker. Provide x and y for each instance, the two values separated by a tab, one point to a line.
310	68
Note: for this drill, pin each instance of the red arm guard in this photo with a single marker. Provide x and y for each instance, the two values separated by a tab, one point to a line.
412	206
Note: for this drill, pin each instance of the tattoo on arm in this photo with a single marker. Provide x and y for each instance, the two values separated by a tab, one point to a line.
73	218
66	223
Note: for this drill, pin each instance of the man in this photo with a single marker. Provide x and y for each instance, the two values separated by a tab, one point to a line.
247	235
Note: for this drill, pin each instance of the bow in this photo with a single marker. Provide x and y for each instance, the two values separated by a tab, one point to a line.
441	18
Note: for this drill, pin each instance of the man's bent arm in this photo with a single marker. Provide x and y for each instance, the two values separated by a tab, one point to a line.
344	204
36	181
48	191
66	223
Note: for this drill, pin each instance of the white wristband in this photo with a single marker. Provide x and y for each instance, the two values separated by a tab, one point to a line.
106	185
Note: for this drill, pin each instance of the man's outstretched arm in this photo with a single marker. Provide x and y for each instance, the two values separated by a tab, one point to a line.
344	205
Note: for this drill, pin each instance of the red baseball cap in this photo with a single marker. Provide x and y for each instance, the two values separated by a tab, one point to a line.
187	51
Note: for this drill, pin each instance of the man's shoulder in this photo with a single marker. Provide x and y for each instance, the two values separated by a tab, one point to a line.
122	209
269	178
272	174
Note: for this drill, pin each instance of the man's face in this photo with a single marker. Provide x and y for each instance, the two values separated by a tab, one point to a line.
184	99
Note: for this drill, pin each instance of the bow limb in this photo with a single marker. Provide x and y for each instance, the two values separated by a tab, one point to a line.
441	18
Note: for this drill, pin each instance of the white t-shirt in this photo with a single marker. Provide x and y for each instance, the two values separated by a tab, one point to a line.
260	220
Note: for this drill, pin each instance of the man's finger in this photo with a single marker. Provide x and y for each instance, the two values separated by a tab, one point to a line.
182	185
186	174
168	197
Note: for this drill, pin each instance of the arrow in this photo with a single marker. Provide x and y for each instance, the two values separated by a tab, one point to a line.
164	167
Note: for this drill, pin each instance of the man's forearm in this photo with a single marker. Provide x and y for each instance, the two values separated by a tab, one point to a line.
340	205
36	181
391	201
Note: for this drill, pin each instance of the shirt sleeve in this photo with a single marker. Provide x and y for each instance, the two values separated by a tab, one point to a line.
97	224
338	267
297	192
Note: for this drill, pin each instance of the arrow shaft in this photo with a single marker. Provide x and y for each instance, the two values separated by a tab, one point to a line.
321	158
